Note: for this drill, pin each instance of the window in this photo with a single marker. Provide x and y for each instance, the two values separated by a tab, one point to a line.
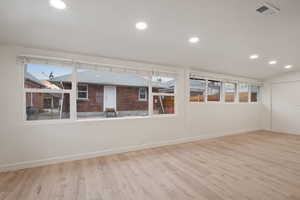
254	93
243	93
197	90
47	96
143	94
82	92
229	92
213	91
163	91
111	94
64	90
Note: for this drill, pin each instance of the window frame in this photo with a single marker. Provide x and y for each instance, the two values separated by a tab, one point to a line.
152	94
248	85
204	94
258	98
44	91
73	94
82	91
235	92
221	92
139	94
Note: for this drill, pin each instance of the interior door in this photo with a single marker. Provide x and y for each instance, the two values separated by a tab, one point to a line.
110	96
286	107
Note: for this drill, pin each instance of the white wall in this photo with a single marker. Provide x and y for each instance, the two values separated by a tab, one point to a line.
29	145
290	83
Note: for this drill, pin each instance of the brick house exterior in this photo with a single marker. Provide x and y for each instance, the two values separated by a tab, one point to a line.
127	94
126	99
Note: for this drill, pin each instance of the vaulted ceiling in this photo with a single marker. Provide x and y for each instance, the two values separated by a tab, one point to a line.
229	31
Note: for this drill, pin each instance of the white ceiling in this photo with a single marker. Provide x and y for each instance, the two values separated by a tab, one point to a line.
229	31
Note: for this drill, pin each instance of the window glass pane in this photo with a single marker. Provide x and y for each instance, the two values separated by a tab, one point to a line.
243	92
162	84
82	95
197	90
46	106
47	77
163	104
111	94
143	95
254	93
213	90
230	92
82	88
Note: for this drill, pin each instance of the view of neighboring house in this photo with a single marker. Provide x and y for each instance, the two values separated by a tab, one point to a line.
100	93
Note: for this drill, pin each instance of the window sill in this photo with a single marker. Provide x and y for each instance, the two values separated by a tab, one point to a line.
112	118
70	121
164	115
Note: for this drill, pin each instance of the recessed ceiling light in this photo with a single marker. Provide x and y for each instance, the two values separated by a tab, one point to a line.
194	40
288	66
58	4
273	62
141	25
254	56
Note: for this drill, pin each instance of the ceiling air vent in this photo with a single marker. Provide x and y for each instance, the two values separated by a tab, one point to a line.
268	9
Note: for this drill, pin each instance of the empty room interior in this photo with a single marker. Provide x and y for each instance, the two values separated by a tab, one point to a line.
150	100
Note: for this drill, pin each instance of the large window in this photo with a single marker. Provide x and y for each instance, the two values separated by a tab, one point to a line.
163	94
229	92
213	91
56	90
197	90
47	97
243	93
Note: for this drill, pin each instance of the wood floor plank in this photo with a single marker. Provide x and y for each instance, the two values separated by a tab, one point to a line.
260	165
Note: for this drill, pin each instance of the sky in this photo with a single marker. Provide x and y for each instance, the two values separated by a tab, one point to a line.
42	72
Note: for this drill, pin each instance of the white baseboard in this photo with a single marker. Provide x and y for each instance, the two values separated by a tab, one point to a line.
60	159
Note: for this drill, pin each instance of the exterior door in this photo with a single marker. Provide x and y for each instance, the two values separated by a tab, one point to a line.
110	96
286	107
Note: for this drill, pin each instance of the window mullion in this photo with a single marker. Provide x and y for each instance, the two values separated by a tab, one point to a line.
150	96
73	96
249	94
206	91
238	92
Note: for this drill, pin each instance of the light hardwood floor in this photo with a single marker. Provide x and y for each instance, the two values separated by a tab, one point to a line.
256	166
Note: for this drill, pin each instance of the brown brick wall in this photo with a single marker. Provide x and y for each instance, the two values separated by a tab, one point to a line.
37	99
127	99
95	101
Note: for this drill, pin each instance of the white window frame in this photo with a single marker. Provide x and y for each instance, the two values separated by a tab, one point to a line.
235	92
222	94
221	89
146	94
248	85
73	94
85	91
258	94
152	94
204	94
42	90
